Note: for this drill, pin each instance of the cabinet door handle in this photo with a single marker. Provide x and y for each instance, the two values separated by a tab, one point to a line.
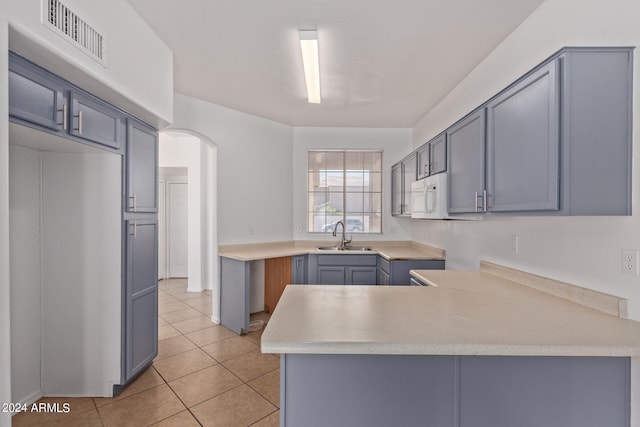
484	200
79	117
134	200
64	116
134	227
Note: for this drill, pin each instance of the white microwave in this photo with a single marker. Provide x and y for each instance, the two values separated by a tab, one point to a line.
429	197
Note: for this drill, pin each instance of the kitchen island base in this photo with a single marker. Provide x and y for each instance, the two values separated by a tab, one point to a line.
457	391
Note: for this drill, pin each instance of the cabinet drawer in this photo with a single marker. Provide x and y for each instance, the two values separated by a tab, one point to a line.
348	259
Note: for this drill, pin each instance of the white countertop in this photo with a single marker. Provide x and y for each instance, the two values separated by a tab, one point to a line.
392	250
467	313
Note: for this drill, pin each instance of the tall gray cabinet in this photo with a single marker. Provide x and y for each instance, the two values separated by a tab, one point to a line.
45	102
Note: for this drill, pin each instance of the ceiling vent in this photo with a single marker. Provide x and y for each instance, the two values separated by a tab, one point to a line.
66	23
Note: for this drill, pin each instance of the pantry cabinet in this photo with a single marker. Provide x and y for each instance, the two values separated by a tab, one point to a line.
142	167
141	295
45	102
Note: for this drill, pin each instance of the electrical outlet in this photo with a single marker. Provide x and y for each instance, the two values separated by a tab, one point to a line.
299	228
513	243
630	262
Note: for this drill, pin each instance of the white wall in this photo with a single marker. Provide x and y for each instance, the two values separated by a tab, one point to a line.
254	164
81	273
5	323
395	143
24	209
184	152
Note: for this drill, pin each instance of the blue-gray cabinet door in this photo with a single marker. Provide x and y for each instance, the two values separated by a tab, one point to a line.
142	167
95	120
466	145
423	160
361	275
141	296
409	176
438	155
299	269
523	144
35	96
396	189
331	275
235	278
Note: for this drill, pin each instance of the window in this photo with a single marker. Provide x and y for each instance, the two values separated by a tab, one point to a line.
345	185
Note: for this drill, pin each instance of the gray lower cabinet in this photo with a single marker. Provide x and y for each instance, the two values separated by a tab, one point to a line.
299	269
454	391
345	269
396	272
523	144
466	146
95	121
140	296
34	96
142	167
235	294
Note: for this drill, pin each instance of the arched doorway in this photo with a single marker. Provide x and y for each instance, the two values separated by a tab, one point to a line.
197	155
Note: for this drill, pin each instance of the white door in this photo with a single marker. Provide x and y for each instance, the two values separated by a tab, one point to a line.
177	233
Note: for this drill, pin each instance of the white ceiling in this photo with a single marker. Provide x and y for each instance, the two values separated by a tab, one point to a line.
382	63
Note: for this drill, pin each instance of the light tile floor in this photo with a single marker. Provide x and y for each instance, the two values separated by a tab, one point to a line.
204	375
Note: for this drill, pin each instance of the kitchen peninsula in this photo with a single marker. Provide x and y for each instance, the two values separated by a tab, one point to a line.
360	263
479	348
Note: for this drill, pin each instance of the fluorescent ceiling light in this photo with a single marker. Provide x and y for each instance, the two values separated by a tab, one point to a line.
311	64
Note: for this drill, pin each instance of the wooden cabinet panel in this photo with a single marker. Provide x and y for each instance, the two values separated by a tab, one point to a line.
277	275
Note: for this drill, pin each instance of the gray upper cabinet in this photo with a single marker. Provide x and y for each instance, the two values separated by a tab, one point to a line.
466	147
95	121
523	144
403	174
141	295
597	91
396	189
142	167
36	97
432	157
558	141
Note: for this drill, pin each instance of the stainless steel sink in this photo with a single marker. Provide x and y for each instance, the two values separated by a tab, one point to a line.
345	248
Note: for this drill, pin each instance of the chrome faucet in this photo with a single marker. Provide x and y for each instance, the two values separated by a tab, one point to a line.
343	241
